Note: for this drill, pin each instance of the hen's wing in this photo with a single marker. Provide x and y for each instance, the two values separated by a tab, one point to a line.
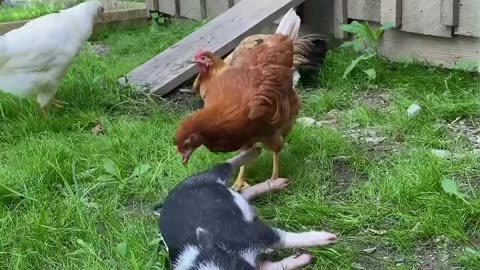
39	46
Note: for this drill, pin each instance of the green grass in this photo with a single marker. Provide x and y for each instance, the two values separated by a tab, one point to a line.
35	8
64	205
32	10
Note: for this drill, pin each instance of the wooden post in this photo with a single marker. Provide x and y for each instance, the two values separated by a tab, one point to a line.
340	17
152	5
449	12
391	11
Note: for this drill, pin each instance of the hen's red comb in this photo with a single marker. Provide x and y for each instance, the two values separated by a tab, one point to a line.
199	53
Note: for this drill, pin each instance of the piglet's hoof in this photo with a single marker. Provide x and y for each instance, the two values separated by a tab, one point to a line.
278	184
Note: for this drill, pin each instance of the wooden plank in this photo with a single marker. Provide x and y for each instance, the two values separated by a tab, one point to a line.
152	5
217	7
170	7
469	18
449	12
318	17
402	46
193	9
366	10
173	66
131	12
340	16
391	11
423	17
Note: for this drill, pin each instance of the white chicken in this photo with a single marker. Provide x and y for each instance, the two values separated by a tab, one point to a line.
34	58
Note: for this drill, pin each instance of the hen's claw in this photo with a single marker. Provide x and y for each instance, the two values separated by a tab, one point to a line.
240	184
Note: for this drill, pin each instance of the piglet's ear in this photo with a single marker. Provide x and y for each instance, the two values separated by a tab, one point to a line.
203	237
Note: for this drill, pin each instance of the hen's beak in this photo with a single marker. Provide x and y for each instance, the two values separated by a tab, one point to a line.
186	157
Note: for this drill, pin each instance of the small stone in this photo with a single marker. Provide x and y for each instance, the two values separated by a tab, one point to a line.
358	266
476	152
375	140
414	110
369	250
399	260
307	121
445	154
122	81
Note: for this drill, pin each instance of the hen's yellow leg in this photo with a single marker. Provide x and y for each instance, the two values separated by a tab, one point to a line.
276	166
240	183
58	103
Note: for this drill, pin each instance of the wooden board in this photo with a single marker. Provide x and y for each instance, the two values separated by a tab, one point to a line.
217	7
449	12
366	10
423	17
125	11
391	11
193	9
340	16
403	46
170	7
469	18
173	66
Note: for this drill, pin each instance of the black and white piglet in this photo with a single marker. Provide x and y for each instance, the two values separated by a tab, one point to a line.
208	226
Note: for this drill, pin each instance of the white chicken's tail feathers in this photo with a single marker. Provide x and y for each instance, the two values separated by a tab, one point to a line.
289	25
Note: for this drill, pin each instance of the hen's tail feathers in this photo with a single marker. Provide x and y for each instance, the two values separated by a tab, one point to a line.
244	157
289	25
310	51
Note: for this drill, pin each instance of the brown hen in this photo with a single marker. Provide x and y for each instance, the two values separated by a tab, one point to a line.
252	100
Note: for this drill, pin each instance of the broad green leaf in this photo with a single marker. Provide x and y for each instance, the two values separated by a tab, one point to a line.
451	187
371	73
111	168
387	25
355	63
347	44
355	28
141	170
122	249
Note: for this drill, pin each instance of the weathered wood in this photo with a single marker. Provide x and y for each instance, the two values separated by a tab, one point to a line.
125	11
217	7
340	16
402	46
173	66
313	22
449	12
170	7
391	11
423	17
469	18
152	5
193	9
366	10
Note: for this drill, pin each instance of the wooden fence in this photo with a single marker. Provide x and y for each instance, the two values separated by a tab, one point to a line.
115	11
435	31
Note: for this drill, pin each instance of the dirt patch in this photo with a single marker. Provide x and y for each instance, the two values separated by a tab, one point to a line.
377	256
378	101
377	144
185	101
436	254
466	128
345	175
100	49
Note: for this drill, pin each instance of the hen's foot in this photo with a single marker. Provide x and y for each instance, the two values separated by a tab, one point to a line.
240	184
58	103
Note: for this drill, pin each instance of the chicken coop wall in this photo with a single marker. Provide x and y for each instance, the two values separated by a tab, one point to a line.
435	31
